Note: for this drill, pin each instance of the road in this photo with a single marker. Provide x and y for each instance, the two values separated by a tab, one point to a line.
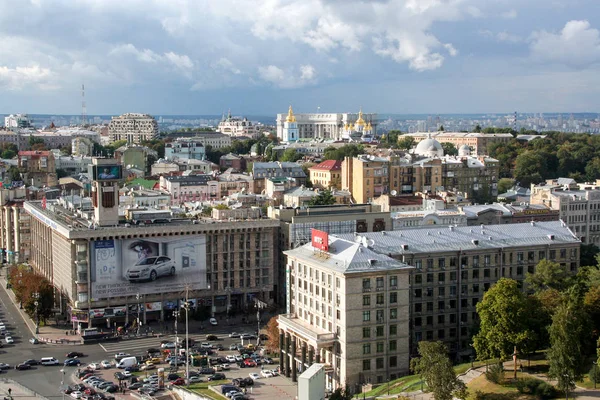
47	380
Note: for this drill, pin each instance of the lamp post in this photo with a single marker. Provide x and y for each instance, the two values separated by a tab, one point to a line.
176	315
187	339
36	296
138	296
388	388
62	382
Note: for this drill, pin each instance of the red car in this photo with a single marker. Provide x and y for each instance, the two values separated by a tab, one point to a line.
178	381
249	362
89	391
86	376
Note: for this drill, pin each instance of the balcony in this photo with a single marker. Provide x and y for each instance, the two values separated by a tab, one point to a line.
319	337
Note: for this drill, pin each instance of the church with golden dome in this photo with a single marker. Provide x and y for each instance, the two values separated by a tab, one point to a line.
356	127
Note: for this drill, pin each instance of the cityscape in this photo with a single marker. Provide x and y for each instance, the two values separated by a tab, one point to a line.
365	200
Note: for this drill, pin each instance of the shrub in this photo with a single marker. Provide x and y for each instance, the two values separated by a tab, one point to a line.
545	391
538	388
595	374
495	374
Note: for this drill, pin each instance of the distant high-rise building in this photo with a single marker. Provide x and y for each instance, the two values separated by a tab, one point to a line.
133	127
17	121
235	126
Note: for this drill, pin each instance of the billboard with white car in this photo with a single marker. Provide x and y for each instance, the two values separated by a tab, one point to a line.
147	266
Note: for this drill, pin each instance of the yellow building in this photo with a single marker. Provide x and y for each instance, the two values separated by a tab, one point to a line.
327	174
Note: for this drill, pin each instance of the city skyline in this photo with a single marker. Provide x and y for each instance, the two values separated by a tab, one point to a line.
390	57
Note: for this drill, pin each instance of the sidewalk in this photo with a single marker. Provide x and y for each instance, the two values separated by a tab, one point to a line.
48	334
17	390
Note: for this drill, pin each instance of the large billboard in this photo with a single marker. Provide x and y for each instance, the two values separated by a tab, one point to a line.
147	266
106	172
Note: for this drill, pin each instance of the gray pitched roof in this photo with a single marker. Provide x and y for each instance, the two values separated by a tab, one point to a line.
347	256
444	239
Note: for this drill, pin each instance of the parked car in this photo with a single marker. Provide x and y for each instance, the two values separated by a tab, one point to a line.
249	362
267	360
22	366
76	394
135	386
254	375
105	364
152	351
206	371
4	366
178	382
118	356
151	268
34	341
234	335
9	340
266	373
195	379
216	377
213	322
168	345
74	354
119	376
212	337
72	362
172	377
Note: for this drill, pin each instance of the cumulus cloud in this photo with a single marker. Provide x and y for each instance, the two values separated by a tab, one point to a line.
23	77
181	62
576	45
290	78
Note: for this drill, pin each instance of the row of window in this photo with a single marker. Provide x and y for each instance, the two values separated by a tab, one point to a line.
379	315
445	305
379	347
380	299
379	363
379	282
379	331
441	319
441	334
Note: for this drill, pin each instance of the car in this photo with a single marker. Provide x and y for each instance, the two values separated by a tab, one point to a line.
34	341
249	362
266	373
172	377
22	366
76	394
230	358
216	377
195	379
154	360
150	391
274	372
152	350
89	391
219	347
106	364
72	362
233	347
254	376
119	376
267	360
94	366
136	386
178	382
212	337
206	371
133	368
4	366
205	345
223	367
74	354
239	396
111	389
234	335
31	361
147	367
247	336
126	374
118	356
250	346
213	322
231	393
168	345
151	268
9	340
176	362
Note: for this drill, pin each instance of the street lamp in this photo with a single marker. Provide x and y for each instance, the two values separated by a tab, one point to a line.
186	306
36	296
62	382
138	296
176	315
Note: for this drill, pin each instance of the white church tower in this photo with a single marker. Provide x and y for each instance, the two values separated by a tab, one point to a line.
290	128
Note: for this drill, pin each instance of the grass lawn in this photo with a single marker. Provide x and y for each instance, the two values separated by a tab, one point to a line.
202	388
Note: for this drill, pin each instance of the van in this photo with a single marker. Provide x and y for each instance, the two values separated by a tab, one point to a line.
127	362
49	361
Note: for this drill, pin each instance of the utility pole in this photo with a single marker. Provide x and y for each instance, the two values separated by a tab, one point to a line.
36	296
187	338
176	315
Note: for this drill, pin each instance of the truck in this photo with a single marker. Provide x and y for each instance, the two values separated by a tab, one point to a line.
127	362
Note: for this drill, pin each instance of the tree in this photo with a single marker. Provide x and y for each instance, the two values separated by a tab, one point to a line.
477	128
14	174
324	198
588	253
528	166
505	184
272	344
568	334
392	137
436	369
348	150
548	275
449	149
504	321
341	394
290	155
441	128
8	154
406	142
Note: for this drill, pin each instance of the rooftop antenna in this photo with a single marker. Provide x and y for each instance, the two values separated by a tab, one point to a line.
83	109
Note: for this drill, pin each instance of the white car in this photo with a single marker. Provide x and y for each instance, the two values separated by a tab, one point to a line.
213	322
168	345
274	372
195	379
206	345
239	358
9	339
266	373
105	364
94	366
254	375
118	356
126	374
76	394
231	358
151	268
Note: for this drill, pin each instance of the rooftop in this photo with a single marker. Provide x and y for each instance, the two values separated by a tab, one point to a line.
453	238
329	165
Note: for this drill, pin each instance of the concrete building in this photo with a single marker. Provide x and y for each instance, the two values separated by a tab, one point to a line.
399	203
578	205
455	266
38	168
16	121
478	142
232	161
185	148
92	258
133	127
15	234
237	126
215	140
348	306
190	188
266	170
72	165
326	175
135	157
320	126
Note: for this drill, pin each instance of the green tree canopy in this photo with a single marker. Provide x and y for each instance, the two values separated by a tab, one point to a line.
548	275
436	369
528	168
406	142
348	150
449	149
504	184
324	198
505	320
290	155
477	128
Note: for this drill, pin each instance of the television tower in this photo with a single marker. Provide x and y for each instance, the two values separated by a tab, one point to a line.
83	109
515	122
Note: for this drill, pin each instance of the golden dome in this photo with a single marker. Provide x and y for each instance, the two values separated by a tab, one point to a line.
351	126
360	121
290	116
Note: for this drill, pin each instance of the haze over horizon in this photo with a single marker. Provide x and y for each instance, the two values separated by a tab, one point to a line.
390	57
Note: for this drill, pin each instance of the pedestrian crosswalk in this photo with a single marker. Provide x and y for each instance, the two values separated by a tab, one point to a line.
139	346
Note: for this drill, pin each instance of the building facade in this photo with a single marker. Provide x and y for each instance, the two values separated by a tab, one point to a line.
321	125
185	148
348	308
326	175
478	142
236	126
455	266
17	121
133	127
38	168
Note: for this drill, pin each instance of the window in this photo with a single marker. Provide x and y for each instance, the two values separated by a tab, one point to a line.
418	307
430	306
553	255
453	261
419	278
367	348
441	277
379	331
393	313
393	281
442	263
441	319
475	288
418	321
486	273
430	320
366	333
442	291
338	314
379	283
380	299
366	316
379	315
393	361
531	255
393	298
541	255
429	278
379	363
393	345
441	305
366	365
441	333
475	261
366	300
487	259
418	293
430	263
393	330
452	275
366	283
380	347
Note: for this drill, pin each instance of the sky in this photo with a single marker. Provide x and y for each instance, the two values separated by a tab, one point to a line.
256	57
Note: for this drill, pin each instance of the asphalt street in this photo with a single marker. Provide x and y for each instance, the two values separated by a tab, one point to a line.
47	380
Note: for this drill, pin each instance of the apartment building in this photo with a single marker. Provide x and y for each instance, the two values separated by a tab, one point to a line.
38	168
133	127
326	175
455	266
347	307
578	205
